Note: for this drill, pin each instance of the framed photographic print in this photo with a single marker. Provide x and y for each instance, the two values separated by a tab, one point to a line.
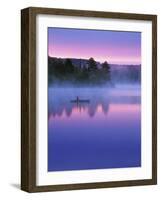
88	99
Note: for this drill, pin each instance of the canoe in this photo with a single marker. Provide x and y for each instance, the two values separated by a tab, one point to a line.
80	101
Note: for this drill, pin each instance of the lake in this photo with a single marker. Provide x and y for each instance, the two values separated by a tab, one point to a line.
102	133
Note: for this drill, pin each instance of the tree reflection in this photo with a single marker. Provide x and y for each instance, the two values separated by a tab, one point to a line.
59	102
69	108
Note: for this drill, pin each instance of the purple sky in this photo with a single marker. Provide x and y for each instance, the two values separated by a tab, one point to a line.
112	46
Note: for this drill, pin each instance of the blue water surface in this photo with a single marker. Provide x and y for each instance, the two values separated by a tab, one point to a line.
104	133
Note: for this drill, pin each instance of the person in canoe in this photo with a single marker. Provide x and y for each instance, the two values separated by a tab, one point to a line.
77	99
80	100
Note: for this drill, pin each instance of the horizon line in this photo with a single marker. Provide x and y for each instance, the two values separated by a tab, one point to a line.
94	59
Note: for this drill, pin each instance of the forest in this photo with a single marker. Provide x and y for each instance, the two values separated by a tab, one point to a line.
89	72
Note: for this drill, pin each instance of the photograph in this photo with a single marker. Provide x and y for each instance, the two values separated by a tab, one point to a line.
94	99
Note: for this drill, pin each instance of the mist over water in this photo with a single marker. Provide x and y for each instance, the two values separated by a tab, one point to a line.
102	133
60	98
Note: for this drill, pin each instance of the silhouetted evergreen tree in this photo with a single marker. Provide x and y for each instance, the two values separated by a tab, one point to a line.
106	66
69	67
92	65
106	70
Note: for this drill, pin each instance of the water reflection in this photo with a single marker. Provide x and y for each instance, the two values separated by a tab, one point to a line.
100	100
104	133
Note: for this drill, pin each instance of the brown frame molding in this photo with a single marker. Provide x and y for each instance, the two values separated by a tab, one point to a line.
28	98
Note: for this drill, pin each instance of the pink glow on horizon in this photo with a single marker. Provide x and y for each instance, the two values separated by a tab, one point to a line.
99	55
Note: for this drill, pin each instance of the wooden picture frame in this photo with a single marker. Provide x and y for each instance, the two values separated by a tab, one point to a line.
28	98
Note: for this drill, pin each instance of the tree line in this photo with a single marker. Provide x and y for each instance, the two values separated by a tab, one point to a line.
63	70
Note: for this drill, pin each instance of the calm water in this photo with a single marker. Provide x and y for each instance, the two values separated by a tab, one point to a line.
105	133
